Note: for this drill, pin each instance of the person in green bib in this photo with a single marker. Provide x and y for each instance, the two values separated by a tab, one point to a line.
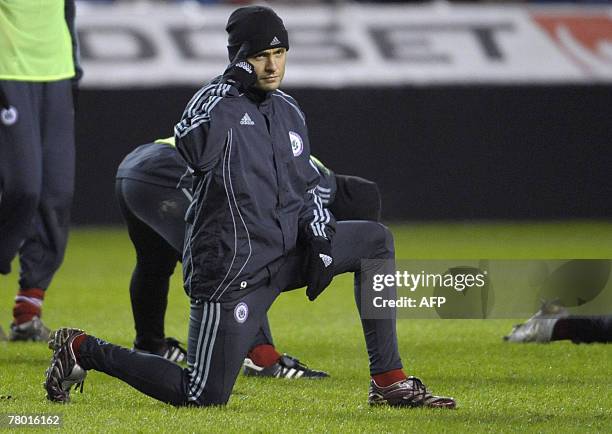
38	69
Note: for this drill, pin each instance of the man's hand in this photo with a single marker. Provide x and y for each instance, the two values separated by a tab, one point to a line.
320	267
240	73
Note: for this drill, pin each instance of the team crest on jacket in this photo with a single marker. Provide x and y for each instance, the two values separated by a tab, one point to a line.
8	116
297	145
241	312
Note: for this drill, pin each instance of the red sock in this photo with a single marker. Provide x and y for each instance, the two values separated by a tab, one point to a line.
388	378
264	355
28	304
76	343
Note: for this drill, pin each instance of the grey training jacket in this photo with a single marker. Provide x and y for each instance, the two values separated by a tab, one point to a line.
254	189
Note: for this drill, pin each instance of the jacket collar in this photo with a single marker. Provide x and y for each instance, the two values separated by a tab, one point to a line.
257	96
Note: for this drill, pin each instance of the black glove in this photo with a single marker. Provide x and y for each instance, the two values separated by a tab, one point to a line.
320	268
240	73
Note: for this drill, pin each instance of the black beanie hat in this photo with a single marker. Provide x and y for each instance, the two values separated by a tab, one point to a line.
258	25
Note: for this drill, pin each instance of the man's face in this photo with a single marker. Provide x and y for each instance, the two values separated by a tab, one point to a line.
270	68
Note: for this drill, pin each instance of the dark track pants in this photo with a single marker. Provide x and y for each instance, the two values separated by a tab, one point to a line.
216	346
354	241
584	330
220	334
36	177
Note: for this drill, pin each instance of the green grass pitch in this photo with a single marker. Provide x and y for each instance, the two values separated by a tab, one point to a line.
499	387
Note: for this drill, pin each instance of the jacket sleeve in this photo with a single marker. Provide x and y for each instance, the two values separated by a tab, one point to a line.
327	185
204	127
315	220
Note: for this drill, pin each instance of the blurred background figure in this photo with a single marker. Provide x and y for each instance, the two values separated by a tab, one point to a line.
554	323
38	69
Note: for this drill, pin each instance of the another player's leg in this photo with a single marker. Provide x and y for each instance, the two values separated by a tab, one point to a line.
20	167
156	260
263	360
554	323
583	330
43	250
539	327
21	181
